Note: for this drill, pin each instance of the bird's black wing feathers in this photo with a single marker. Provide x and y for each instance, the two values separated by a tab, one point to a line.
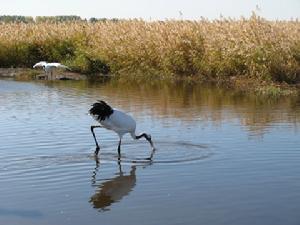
101	110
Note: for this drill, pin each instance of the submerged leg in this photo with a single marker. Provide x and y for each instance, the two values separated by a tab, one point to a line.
151	155
97	146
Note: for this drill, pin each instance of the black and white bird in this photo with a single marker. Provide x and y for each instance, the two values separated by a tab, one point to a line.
49	67
117	121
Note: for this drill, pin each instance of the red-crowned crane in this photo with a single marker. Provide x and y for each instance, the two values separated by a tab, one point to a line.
117	121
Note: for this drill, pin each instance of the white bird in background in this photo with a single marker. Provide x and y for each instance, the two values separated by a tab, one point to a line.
117	121
49	67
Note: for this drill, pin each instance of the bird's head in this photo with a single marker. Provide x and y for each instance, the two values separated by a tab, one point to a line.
40	64
148	137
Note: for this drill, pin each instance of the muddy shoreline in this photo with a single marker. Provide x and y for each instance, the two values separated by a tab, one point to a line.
38	74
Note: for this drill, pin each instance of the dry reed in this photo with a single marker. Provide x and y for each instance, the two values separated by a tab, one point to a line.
253	48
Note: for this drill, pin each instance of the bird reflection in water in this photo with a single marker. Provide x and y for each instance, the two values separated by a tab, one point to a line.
113	190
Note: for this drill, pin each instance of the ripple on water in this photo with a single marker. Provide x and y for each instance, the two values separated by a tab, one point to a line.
166	152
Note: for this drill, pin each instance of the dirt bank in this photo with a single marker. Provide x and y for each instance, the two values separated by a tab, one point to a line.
38	74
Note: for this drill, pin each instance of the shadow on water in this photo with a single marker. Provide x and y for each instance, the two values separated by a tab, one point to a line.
114	189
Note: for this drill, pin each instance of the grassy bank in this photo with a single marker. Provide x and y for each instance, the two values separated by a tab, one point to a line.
220	50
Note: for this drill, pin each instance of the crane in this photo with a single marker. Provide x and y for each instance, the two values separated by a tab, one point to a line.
49	67
115	120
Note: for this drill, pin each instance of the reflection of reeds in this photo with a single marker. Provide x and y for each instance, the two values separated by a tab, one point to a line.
186	102
209	104
253	48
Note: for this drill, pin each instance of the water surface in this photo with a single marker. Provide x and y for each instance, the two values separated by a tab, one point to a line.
223	157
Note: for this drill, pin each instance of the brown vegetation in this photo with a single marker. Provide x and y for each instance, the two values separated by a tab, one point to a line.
219	50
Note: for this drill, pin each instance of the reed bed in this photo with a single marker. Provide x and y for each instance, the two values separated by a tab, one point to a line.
218	50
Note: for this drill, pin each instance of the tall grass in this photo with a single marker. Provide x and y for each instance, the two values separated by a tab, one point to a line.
222	49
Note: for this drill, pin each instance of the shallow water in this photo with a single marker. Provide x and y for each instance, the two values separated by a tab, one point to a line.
222	157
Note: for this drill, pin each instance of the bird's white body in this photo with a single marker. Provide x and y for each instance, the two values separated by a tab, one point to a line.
119	122
49	67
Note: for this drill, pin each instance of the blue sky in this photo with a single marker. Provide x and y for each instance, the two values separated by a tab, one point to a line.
154	9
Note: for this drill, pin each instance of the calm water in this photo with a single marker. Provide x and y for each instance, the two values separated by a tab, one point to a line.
222	157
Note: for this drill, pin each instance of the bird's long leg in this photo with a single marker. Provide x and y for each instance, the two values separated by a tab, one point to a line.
97	146
119	149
